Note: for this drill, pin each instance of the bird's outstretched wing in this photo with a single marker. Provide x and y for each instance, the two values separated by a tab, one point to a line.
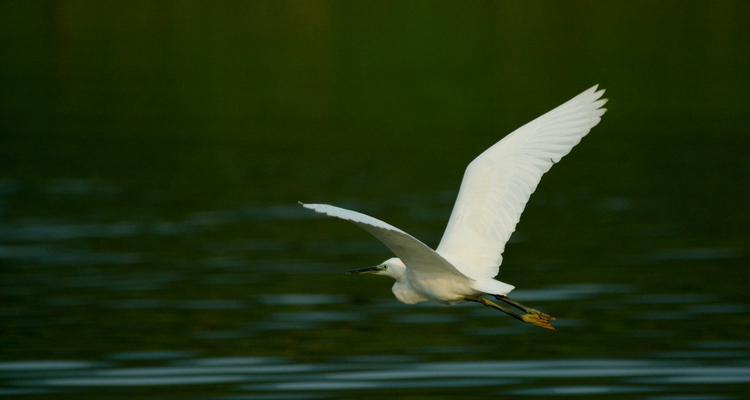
498	183
419	258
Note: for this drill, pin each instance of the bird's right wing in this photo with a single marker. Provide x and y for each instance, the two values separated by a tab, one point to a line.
419	258
498	183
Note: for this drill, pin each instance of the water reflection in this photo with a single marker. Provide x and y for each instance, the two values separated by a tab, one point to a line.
386	373
580	391
301	299
151	355
569	292
55	255
41	365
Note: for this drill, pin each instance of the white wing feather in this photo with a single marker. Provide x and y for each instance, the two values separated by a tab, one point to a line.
420	258
497	184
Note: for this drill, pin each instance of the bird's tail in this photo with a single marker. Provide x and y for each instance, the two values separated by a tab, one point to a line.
492	286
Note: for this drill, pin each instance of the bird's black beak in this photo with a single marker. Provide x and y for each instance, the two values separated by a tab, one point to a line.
367	270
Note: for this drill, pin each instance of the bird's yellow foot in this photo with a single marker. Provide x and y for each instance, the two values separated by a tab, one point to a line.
539	319
541	315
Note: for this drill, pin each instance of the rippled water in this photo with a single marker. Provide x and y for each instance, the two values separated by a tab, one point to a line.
85	320
258	375
151	158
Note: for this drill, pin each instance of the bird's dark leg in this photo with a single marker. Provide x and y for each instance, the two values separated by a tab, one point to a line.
525	309
491	304
529	318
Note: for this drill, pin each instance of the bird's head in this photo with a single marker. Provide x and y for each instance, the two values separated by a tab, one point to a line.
392	267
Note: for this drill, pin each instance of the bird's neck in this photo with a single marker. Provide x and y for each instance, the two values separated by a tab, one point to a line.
397	270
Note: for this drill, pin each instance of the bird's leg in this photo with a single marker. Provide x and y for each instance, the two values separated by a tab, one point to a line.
491	304
525	309
529	318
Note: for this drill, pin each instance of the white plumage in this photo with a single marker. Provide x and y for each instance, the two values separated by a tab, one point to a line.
495	189
419	257
497	184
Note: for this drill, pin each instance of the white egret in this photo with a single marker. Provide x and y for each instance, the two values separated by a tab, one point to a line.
495	189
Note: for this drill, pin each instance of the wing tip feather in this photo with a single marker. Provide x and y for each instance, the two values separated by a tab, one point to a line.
595	90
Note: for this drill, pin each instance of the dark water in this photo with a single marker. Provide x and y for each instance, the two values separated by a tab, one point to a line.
152	153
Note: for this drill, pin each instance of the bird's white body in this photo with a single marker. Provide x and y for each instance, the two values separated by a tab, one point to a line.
494	191
441	288
407	294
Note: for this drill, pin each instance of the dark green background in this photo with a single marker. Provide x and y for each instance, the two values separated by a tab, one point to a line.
152	153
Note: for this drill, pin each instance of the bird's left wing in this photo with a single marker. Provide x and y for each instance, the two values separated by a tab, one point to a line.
418	257
498	183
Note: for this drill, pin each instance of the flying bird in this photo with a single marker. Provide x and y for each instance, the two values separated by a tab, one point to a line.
494	191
